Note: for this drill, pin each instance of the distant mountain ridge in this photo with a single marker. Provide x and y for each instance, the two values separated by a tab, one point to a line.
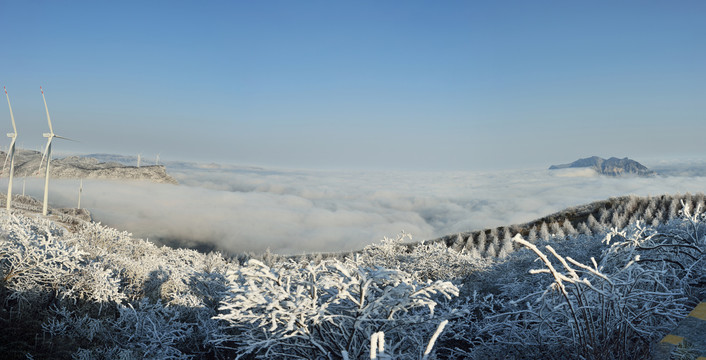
610	167
81	167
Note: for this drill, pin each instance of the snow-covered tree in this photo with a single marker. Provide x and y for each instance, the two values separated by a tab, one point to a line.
584	229
482	242
327	310
532	237
544	231
557	230
593	224
604	215
469	245
569	228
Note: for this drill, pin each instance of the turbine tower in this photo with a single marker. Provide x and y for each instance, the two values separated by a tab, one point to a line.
10	153
47	154
80	190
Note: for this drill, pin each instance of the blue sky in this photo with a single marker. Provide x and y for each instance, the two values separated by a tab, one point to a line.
457	85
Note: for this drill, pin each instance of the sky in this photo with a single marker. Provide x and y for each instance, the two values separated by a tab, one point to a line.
416	85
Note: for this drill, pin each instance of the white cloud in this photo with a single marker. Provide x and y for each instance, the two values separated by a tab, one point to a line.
246	209
575	172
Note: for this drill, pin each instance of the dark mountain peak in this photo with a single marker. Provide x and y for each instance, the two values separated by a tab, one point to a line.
613	166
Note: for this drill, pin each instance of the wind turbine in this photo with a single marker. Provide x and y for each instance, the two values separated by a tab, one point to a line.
138	159
156	161
10	152
47	153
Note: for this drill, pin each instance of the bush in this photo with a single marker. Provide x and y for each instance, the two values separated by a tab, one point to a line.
327	310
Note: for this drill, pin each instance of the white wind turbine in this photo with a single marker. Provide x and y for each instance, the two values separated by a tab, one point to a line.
10	152
47	153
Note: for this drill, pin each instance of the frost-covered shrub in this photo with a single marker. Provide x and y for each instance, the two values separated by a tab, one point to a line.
328	309
95	284
422	260
144	331
66	326
56	285
614	308
151	330
35	263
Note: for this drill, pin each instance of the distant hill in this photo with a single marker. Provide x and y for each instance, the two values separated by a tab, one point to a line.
610	167
81	167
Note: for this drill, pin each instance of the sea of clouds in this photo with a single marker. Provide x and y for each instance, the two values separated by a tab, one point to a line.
247	209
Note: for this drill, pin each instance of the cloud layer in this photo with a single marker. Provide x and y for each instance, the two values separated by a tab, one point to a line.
249	209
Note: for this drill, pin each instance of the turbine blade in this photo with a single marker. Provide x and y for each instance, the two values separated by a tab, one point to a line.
14	128
10	153
44	155
51	131
65	138
5	163
7	156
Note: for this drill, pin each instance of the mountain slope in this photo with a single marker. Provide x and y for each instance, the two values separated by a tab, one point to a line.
610	167
96	292
78	167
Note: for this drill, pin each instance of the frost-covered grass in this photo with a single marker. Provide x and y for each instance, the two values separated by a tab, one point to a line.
597	294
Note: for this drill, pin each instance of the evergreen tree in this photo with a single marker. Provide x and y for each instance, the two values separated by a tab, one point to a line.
618	220
544	231
648	216
659	217
507	234
699	200
481	242
494	243
631	205
593	224
583	228
557	231
475	253
633	219
469	245
689	200
655	221
674	207
491	253
532	237
506	247
458	242
494	235
569	229
604	216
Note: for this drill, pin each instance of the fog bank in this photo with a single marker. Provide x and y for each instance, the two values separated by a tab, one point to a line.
242	209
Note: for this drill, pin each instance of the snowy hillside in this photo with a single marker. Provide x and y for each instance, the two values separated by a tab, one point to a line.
85	167
97	292
610	167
